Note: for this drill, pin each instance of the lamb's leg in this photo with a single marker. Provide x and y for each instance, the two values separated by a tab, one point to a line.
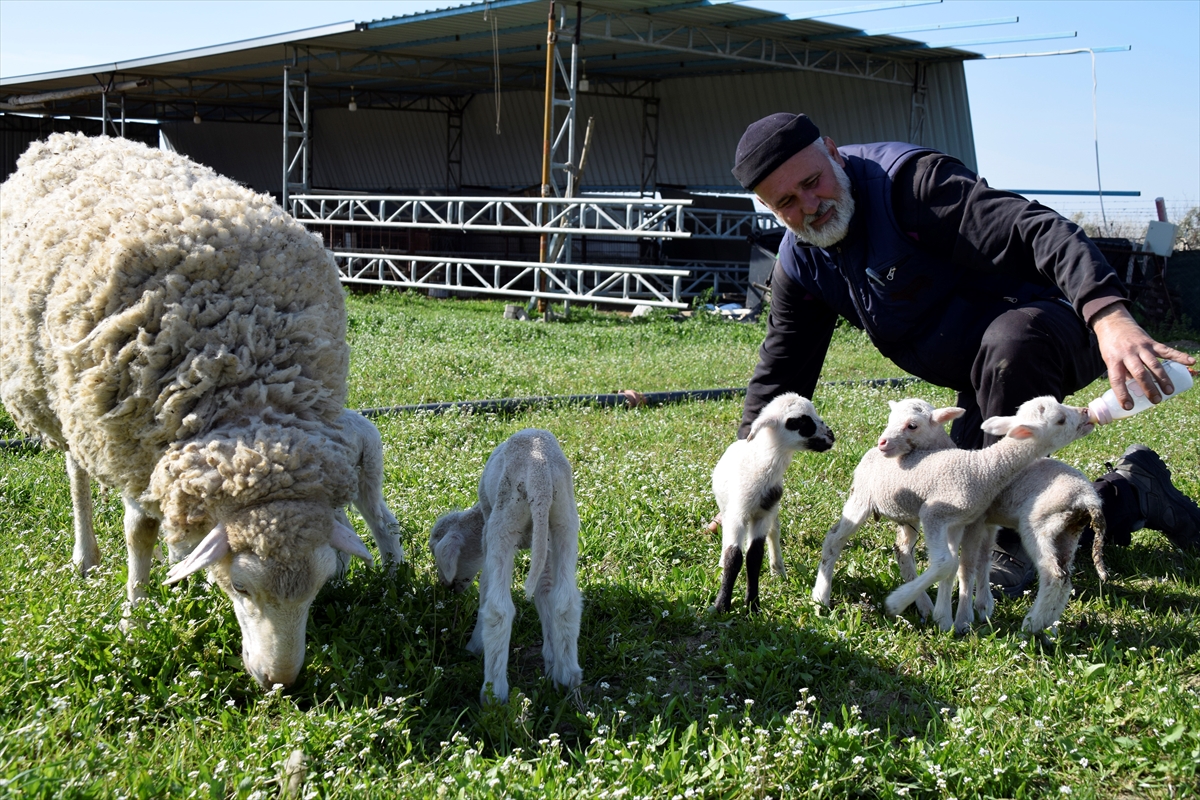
496	609
475	644
86	553
141	534
972	552
947	570
906	542
775	549
984	602
384	526
559	604
731	560
854	514
1054	549
942	543
754	559
343	558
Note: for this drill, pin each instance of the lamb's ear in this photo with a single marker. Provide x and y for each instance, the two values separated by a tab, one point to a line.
1007	426
892	404
1021	432
943	415
446	553
759	423
998	426
345	539
212	548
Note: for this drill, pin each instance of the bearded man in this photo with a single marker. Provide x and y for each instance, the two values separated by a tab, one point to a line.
960	284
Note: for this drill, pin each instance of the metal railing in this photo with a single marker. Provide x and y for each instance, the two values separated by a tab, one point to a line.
586	283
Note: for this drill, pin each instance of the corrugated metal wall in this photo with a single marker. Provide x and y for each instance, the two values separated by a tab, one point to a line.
248	153
700	122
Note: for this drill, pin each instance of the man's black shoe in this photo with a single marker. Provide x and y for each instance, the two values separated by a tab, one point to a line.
1012	568
1164	507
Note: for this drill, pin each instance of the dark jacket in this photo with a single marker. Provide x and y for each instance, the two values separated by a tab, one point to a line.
932	256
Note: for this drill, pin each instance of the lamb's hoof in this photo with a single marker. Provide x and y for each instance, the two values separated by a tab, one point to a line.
924	607
961	629
893	607
128	624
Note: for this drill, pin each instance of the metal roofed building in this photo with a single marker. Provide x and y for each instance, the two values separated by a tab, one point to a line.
451	102
702	71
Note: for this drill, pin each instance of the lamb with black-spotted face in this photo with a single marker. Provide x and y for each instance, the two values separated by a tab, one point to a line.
748	485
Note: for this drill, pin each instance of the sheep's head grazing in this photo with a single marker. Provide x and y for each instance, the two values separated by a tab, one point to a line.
795	424
457	545
271	560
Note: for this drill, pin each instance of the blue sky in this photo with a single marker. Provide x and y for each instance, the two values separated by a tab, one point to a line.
1032	116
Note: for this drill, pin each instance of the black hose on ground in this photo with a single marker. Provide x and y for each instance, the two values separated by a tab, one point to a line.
513	405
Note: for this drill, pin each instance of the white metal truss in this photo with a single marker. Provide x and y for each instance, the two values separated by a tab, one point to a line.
619	217
296	139
715	223
587	283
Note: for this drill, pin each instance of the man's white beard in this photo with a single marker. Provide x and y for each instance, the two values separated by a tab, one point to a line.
834	230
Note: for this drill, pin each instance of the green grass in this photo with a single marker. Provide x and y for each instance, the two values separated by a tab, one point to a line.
675	702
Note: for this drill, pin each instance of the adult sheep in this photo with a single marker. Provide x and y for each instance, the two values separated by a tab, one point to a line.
182	339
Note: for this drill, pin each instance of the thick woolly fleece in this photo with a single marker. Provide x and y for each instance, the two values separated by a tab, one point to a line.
180	334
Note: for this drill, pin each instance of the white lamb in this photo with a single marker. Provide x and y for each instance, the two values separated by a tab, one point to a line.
182	339
526	499
947	490
912	424
748	484
1049	504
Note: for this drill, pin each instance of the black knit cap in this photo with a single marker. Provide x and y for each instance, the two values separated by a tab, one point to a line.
768	143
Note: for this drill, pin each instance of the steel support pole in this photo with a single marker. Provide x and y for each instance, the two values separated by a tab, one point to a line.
547	119
297	112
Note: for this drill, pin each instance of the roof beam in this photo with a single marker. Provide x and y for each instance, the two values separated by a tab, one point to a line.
975	43
644	32
978	23
833	12
1120	48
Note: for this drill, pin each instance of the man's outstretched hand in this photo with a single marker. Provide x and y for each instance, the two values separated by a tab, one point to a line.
1129	352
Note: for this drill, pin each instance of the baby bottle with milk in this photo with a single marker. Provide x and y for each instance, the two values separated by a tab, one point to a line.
1106	408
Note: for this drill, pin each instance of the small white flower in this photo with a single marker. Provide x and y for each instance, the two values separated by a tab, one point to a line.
1064	790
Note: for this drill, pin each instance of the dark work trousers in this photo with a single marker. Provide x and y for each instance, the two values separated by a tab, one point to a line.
1040	348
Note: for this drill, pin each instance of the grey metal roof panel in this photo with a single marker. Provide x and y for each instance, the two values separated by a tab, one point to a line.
230	53
442	60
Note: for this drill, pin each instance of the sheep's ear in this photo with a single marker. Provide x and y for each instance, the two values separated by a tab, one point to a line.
943	415
1007	426
445	553
998	426
892	404
1021	432
212	548
759	423
345	539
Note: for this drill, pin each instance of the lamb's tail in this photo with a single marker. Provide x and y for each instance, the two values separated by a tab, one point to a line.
539	546
1099	528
